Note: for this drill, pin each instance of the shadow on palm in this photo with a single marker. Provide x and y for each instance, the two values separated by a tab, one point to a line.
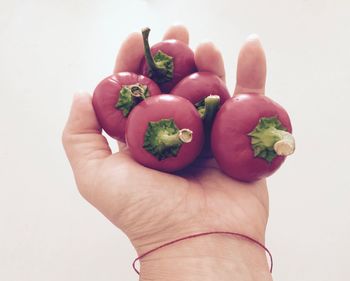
157	207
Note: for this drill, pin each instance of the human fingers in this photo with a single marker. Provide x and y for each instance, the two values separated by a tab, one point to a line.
209	58
130	54
251	67
121	146
178	32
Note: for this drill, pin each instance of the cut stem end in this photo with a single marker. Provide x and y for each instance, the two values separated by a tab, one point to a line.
185	135
286	145
138	91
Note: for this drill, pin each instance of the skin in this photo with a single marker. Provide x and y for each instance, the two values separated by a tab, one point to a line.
153	207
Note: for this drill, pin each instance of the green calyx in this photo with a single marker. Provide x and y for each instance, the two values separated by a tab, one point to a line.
163	139
165	67
265	135
130	96
160	66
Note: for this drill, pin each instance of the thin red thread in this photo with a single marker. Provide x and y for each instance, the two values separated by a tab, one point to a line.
203	234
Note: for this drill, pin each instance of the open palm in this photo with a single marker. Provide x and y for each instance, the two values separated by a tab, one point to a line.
153	207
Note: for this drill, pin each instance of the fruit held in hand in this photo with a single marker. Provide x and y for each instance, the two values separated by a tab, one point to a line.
167	62
116	96
165	132
251	136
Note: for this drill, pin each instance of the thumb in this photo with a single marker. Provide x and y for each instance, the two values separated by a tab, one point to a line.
82	138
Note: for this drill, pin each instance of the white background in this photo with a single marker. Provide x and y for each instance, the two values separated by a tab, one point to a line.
50	49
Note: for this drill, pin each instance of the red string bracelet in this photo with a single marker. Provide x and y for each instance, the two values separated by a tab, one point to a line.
203	234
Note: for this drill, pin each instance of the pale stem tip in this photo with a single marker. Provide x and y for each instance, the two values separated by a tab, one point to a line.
286	146
185	135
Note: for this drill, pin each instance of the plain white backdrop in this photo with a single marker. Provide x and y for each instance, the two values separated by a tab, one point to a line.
50	49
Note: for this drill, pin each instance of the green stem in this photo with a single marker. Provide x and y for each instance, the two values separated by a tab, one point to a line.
282	141
286	145
163	139
269	137
211	107
182	136
153	68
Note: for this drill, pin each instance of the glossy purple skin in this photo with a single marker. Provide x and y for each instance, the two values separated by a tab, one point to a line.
231	144
106	96
154	109
183	59
199	85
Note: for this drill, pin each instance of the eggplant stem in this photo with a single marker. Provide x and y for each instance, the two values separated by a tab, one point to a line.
211	107
182	136
148	55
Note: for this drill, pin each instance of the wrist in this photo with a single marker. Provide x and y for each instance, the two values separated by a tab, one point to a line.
213	257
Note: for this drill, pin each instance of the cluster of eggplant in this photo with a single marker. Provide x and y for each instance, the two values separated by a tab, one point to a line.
169	115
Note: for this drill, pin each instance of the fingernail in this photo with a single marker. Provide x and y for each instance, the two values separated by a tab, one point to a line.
177	23
253	37
209	43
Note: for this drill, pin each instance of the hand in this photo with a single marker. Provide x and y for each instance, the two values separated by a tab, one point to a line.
153	207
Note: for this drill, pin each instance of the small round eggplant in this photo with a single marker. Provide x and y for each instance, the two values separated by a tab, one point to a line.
197	86
207	92
116	96
167	62
251	136
165	132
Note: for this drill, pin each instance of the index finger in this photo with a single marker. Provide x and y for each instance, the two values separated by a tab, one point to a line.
130	54
208	58
178	32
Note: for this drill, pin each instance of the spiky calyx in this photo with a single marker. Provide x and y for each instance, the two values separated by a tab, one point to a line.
269	139
165	68
163	139
130	96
